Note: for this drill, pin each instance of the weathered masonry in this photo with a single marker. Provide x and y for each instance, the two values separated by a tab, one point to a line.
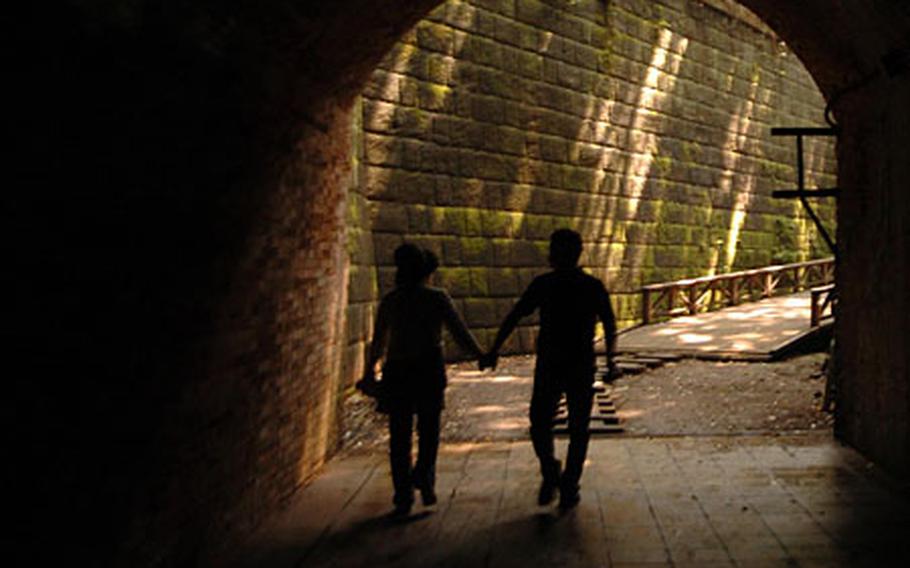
176	239
643	125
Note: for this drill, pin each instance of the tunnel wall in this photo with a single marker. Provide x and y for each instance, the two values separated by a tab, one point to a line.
179	303
643	125
873	345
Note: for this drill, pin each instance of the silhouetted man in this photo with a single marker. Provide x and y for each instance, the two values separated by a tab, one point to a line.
570	303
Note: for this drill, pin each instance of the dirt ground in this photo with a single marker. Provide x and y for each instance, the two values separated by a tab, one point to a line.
689	397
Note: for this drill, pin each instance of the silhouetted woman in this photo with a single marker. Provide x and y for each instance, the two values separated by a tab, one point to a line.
408	332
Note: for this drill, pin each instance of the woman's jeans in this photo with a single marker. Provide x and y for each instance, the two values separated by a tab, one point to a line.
401	425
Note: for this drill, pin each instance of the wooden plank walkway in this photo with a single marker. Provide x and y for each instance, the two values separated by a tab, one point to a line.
670	502
757	330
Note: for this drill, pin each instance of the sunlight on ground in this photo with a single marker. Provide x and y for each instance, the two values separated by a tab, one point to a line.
467	447
509	424
476	377
487	409
627	414
695	338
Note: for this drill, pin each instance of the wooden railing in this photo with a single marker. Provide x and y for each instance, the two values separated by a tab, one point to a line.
822	306
694	295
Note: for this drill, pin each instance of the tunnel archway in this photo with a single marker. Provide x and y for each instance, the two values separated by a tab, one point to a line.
643	127
201	273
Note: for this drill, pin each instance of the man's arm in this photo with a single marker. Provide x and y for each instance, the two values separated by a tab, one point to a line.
505	330
608	319
524	307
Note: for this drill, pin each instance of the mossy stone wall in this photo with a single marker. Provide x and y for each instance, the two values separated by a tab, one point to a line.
643	125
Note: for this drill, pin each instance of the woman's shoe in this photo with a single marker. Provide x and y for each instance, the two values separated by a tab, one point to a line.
401	510
549	484
568	495
427	495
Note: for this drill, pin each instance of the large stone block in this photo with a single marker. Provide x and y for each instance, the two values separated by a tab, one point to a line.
476	251
436	37
497	223
456	280
384	245
503	282
481	312
389	217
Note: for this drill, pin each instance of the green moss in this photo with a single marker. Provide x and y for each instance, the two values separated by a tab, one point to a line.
433	96
755	75
456	280
455	220
473	222
353	211
437	219
662	164
476	251
692	152
497	223
675	212
538	226
480	282
672	234
786	245
659	16
434	36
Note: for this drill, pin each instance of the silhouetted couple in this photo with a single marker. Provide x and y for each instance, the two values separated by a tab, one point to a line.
408	332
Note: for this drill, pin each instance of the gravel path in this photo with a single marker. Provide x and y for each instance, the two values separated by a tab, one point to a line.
690	397
713	397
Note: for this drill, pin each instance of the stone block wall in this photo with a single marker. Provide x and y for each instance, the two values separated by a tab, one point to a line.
643	125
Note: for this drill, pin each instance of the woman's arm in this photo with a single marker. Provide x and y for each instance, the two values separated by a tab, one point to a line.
380	339
459	329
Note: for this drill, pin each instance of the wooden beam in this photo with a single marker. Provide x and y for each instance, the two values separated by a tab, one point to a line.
803	131
796	194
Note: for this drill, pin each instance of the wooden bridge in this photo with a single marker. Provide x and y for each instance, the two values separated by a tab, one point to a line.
753	314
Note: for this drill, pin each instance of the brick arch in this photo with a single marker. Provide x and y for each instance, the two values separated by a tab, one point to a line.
183	262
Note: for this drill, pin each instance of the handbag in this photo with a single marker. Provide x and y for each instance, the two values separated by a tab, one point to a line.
376	390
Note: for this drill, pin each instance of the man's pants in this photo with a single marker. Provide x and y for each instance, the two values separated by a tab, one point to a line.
579	391
401	425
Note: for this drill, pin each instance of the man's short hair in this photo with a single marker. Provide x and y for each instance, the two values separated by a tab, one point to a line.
565	248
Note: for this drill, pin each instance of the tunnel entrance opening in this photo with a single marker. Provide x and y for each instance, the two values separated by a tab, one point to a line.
644	126
489	126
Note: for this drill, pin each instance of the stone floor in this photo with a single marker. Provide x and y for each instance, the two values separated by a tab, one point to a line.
670	501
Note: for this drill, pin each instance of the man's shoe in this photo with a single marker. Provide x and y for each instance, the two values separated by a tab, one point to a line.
568	496
403	502
401	511
427	495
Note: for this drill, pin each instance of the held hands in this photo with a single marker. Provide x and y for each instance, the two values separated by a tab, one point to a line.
368	384
488	360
